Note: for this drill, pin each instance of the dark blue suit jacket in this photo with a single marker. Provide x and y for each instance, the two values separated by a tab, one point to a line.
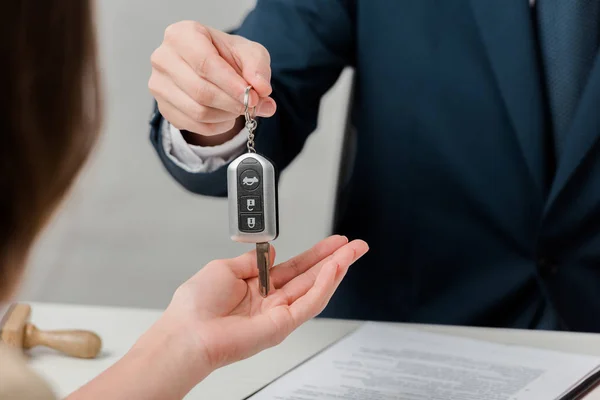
454	183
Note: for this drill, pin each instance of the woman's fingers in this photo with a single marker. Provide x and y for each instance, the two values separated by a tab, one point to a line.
244	266
311	304
344	256
285	272
310	295
277	322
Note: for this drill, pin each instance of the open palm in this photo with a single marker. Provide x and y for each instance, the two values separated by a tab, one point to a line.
233	321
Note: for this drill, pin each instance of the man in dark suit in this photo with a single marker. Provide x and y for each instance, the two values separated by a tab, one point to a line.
476	176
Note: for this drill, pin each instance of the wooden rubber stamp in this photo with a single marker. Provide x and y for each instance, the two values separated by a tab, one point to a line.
16	331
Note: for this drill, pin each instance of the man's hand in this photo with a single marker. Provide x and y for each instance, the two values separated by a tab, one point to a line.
199	76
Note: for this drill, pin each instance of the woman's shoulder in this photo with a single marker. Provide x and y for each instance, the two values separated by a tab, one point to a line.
18	380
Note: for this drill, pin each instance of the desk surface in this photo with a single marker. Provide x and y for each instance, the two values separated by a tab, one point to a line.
120	328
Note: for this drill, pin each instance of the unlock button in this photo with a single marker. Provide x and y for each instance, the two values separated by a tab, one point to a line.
251	222
250	204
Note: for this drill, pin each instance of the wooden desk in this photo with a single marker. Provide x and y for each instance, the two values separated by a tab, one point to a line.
120	328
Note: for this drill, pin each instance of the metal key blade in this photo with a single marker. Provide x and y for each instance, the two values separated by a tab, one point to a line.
263	259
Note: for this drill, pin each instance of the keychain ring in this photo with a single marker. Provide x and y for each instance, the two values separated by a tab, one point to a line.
247	106
250	121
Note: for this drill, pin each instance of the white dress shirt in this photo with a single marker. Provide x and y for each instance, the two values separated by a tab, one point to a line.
198	159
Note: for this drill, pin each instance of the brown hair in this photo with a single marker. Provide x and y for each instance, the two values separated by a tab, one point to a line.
49	117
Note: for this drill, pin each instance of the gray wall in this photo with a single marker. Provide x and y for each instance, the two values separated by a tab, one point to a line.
128	234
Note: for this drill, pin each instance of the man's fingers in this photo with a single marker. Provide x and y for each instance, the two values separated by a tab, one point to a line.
206	62
166	61
214	69
256	66
164	88
182	122
285	272
266	107
177	118
249	59
343	257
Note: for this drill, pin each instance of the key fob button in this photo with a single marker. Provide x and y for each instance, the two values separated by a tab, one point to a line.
250	179
251	222
251	204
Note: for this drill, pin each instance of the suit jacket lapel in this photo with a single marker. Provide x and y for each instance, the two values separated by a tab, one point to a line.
582	136
507	32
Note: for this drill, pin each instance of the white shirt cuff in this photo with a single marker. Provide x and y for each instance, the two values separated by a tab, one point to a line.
199	159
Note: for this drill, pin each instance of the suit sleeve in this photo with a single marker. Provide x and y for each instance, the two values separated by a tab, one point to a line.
310	42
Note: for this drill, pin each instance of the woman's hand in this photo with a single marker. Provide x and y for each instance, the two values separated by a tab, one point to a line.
218	317
222	309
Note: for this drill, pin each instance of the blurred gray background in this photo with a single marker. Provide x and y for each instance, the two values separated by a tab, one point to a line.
128	234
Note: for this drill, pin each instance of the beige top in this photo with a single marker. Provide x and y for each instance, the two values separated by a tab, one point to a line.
18	381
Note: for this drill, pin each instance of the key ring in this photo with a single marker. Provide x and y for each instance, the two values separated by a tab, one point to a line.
250	120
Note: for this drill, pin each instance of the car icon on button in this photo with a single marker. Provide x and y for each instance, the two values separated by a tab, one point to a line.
250	181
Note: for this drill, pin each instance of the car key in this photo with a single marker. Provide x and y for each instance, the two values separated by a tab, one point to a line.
253	209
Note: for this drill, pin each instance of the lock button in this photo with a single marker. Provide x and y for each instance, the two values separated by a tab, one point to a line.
251	222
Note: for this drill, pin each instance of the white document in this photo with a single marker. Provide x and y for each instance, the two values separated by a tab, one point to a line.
383	362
